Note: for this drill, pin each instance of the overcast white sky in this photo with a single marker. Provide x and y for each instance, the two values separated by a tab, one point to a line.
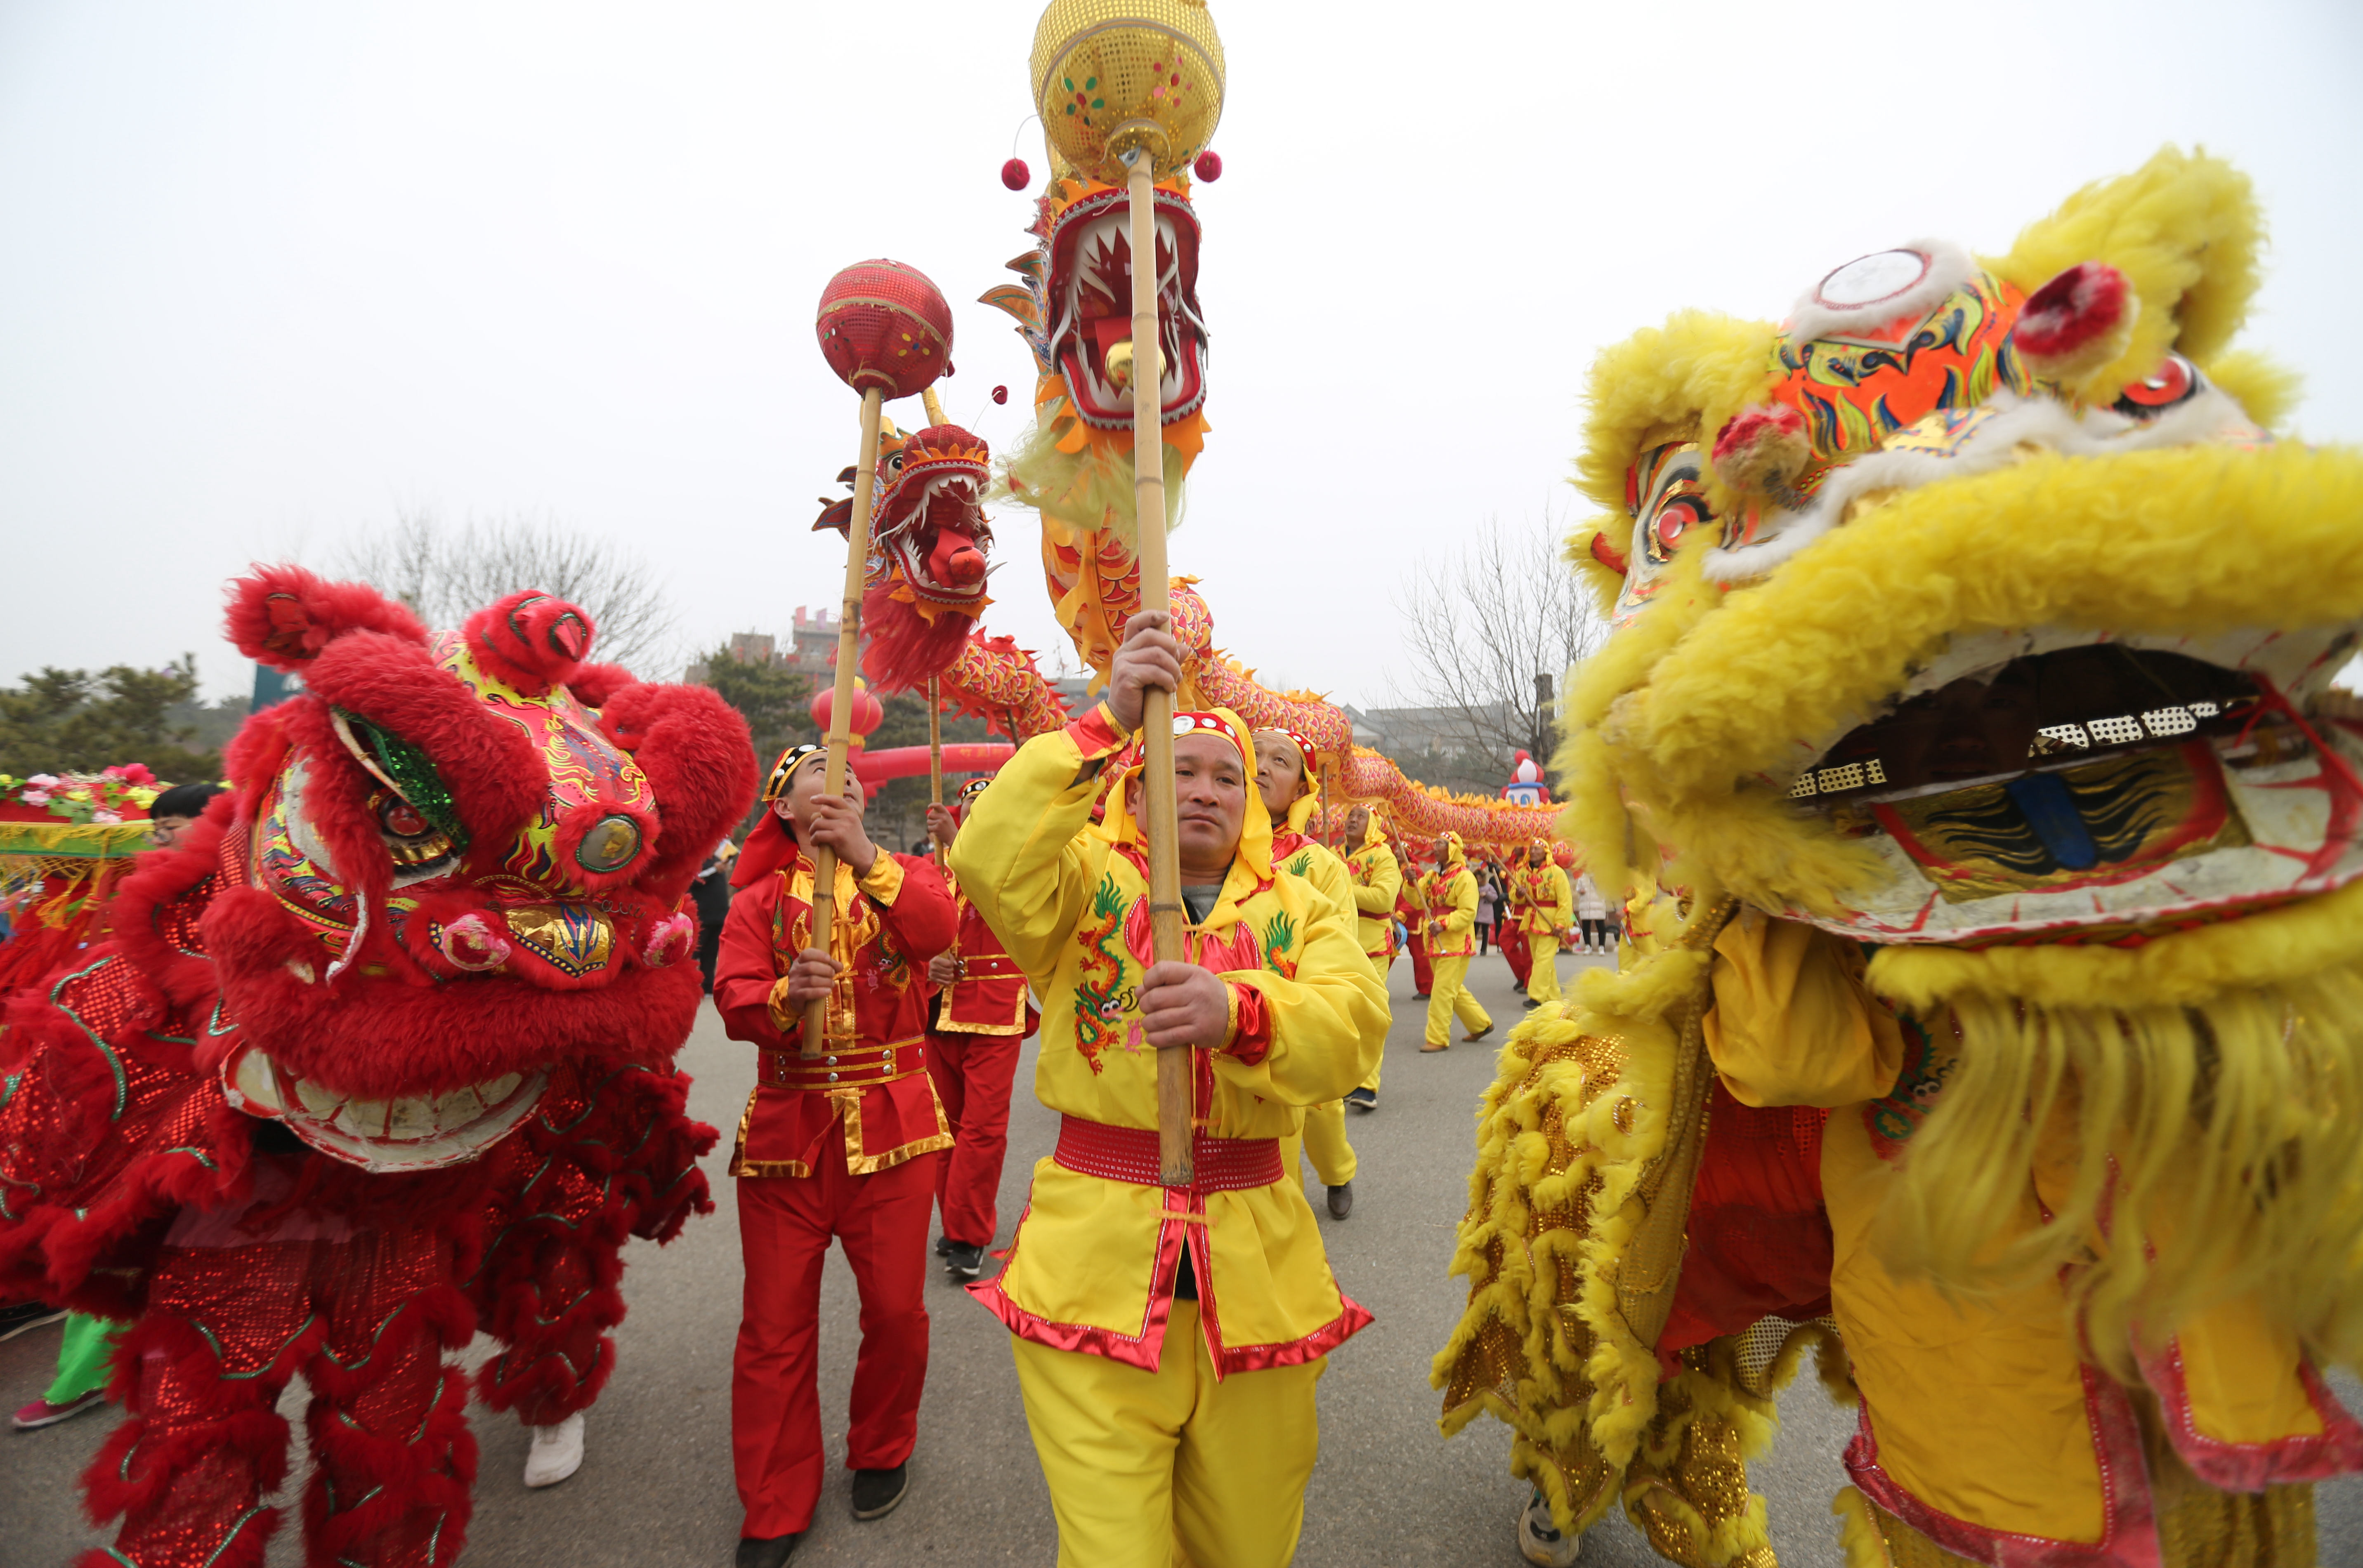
270	272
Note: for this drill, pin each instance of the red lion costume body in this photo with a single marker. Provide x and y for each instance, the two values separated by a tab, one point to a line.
379	1055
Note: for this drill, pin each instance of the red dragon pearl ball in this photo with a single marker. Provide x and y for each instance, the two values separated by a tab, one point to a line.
884	324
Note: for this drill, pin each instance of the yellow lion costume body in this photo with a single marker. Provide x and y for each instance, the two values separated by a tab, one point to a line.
1996	964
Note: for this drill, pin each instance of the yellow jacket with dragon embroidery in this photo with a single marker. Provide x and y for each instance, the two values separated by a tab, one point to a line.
1094	1262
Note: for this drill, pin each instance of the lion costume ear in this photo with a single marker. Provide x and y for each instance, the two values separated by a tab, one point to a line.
531	639
2184	231
284	616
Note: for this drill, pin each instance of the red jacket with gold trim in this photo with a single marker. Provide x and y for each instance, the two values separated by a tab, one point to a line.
890	921
990	997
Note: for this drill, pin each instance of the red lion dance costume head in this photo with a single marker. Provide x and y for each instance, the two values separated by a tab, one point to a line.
379	1056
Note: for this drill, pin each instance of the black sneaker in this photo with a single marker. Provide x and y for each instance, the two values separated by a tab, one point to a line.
962	1260
876	1493
1341	1201
1363	1099
767	1550
943	1246
15	1321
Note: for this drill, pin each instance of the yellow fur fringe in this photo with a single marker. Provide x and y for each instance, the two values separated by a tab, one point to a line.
1858	1535
2185	231
2188	1150
1085	490
2180	970
2267	391
1565	1397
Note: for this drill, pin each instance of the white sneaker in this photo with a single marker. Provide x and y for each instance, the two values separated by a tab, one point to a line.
556	1452
1539	1541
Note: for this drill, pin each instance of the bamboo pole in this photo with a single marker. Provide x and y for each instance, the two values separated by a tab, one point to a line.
935	754
1176	1069
840	713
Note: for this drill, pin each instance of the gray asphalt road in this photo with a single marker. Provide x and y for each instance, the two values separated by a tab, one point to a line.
655	1490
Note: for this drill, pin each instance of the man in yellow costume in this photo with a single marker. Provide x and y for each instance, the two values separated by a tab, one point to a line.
1448	897
1287	764
1378	885
1168	1340
1942	636
1545	907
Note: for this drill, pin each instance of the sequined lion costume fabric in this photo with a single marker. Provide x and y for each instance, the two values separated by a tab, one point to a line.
379	1056
1995	1001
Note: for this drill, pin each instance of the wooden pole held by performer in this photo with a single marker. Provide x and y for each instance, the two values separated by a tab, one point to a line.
840	713
1175	1069
1135	130
935	753
886	330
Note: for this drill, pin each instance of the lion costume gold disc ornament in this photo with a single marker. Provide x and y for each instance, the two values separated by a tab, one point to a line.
1995	1001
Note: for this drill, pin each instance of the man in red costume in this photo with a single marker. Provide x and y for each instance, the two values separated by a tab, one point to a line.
982	1015
839	1144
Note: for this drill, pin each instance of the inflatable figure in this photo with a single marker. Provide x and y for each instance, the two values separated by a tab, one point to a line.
379	1055
1971	621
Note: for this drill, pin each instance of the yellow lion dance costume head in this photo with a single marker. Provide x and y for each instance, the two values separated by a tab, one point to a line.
1971	615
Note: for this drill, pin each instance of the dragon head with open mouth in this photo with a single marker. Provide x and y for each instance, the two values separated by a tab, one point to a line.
2002	616
1075	466
457	865
930	549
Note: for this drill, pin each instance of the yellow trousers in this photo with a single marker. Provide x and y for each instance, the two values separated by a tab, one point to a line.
1324	1140
1381	961
1449	997
1170	1469
1542	983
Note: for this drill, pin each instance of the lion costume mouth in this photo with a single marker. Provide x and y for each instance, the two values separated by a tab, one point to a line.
408	1132
2081	767
2028	740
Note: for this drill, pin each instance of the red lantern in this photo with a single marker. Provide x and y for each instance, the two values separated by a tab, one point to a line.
864	721
883	324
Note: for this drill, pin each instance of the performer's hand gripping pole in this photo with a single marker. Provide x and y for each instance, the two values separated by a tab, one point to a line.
1175	1069
840	713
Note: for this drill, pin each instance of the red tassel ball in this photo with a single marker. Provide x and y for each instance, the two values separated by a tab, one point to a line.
1015	175
1209	166
1001	394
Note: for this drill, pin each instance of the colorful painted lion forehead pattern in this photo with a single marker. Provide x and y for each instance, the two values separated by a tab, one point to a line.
585	772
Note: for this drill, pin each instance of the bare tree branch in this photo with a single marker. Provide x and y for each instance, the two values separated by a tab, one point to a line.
1490	633
446	576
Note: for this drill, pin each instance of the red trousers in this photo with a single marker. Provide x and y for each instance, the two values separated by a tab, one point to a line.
972	1073
1520	955
1423	973
784	1226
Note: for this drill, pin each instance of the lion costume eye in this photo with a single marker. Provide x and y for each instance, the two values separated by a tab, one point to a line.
414	812
1670	512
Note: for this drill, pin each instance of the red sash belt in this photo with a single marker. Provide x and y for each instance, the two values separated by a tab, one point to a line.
990	966
1129	1155
843	1070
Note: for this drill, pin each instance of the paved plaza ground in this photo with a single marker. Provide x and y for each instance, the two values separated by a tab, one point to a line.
655	1491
